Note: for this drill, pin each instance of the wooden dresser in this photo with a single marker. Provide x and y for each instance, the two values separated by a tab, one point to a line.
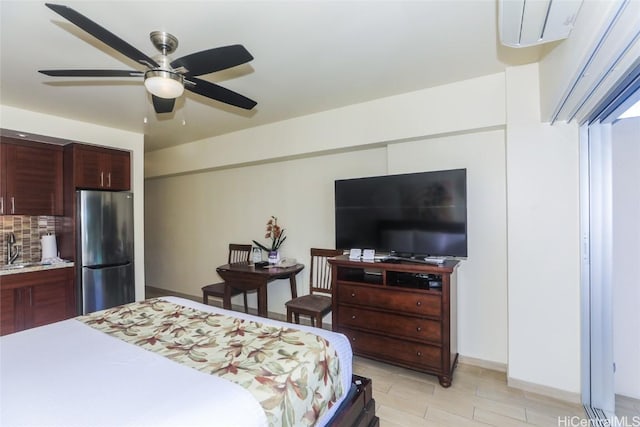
403	313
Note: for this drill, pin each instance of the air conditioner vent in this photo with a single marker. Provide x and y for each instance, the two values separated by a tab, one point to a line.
525	23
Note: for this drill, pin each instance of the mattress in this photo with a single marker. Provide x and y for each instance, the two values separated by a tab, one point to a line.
70	374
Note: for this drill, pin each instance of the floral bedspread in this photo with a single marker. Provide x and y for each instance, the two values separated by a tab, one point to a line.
295	375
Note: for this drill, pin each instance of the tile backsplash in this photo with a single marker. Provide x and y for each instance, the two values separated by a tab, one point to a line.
28	230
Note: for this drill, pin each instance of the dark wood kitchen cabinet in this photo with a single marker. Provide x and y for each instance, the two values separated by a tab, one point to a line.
30	178
403	313
36	298
97	168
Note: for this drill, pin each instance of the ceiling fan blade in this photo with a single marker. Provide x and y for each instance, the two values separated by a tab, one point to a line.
92	73
162	105
213	91
103	34
216	59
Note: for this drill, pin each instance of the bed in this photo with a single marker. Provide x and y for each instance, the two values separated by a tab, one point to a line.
175	362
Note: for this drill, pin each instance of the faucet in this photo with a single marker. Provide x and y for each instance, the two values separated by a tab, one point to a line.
11	242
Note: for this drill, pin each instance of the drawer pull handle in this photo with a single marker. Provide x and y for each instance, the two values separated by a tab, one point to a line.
353	294
353	316
419	303
353	339
419	353
418	329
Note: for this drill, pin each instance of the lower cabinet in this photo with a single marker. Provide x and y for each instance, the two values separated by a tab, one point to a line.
36	298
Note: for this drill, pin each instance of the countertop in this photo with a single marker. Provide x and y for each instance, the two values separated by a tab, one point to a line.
6	270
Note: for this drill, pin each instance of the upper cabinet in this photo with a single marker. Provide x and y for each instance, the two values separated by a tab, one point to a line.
32	174
96	168
30	178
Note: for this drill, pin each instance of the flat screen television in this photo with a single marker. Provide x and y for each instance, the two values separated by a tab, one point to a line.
408	215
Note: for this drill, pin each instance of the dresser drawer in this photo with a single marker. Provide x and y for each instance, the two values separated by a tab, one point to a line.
392	324
416	355
421	304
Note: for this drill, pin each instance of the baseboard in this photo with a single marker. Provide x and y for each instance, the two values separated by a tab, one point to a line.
628	400
555	393
153	291
520	384
480	363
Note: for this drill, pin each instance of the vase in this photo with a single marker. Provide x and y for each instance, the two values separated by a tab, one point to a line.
274	257
256	256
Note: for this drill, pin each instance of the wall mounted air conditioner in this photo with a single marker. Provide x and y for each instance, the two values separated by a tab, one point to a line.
525	23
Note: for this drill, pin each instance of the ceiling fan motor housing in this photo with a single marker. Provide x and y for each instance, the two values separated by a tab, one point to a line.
166	43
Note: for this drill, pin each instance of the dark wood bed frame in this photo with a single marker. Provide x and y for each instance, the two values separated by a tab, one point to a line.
359	409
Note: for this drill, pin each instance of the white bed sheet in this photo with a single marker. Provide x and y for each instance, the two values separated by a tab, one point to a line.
69	374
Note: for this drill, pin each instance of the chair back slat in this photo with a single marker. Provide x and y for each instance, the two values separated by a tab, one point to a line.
320	275
239	253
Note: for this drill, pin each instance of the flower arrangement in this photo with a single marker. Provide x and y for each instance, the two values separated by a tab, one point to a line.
275	233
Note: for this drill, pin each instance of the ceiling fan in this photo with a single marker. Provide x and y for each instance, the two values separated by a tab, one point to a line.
163	78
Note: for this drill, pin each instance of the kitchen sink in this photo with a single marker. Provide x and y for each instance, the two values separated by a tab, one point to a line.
20	265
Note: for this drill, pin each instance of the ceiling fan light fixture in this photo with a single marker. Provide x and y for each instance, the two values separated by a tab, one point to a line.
164	84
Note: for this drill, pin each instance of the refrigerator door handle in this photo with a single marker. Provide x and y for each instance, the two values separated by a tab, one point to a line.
103	266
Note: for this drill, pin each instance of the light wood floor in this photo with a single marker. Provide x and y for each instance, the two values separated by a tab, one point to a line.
477	397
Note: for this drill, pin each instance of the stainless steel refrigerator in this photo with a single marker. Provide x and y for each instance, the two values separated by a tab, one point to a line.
105	250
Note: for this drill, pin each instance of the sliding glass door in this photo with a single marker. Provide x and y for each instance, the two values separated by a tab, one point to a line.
598	278
597	263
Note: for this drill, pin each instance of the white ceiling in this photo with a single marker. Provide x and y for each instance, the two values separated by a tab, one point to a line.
310	56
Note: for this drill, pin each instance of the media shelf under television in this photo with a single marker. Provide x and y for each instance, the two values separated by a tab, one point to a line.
399	312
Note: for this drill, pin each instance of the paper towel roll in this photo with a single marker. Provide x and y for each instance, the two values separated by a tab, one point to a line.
49	247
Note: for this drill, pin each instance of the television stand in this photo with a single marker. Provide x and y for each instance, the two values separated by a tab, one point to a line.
404	314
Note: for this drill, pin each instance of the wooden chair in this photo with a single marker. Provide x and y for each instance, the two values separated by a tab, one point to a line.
237	253
314	305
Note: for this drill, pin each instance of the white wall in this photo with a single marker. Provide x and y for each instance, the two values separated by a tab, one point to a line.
543	242
626	253
192	218
519	287
304	204
75	131
470	104
354	141
482	277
